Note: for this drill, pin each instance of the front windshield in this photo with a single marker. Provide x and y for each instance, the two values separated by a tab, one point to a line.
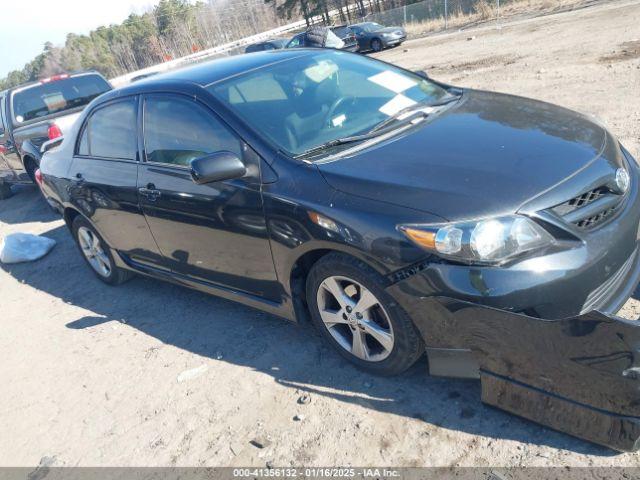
307	101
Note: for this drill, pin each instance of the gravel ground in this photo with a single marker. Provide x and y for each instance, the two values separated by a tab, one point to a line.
153	374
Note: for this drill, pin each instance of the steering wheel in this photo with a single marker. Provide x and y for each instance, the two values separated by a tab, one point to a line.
338	102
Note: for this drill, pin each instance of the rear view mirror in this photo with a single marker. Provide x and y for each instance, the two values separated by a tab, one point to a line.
422	73
217	167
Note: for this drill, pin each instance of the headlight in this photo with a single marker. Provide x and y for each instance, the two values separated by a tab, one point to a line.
493	240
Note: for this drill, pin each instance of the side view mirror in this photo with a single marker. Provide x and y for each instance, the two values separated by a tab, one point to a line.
422	73
217	167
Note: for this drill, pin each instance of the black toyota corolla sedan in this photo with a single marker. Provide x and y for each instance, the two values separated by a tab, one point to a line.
401	215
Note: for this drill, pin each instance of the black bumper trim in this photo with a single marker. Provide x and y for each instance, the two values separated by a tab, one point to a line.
598	426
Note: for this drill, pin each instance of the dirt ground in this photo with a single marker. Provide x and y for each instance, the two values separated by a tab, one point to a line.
152	374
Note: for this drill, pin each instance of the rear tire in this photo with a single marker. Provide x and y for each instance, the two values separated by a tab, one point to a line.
97	253
5	190
353	312
376	45
30	167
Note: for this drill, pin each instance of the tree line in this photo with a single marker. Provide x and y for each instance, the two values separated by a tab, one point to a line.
175	28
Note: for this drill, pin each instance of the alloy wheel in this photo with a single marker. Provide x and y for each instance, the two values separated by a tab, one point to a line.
355	318
93	252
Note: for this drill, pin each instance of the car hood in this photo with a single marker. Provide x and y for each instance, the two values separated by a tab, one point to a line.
487	154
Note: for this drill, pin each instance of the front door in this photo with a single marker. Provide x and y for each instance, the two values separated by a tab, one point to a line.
104	175
214	232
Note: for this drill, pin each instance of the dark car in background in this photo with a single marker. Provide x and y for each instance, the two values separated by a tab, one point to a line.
321	37
35	113
402	216
376	37
271	44
344	33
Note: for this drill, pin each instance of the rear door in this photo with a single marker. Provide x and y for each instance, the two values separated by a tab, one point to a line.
214	232
104	175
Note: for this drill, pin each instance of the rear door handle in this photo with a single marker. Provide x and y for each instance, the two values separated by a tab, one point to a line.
149	192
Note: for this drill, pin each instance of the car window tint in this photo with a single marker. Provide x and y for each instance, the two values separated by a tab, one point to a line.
295	41
342	31
46	98
177	131
250	91
83	148
111	132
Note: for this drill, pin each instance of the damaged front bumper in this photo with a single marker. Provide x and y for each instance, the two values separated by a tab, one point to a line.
578	375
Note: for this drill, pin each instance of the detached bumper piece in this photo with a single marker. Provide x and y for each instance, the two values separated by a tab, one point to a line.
579	375
598	426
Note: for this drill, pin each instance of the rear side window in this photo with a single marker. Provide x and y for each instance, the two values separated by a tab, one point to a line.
56	96
295	41
110	132
342	32
178	130
254	48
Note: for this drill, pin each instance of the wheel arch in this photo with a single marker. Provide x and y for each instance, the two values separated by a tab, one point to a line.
69	215
30	165
301	267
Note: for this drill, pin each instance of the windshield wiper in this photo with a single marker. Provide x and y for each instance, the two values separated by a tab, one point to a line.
337	141
412	112
378	130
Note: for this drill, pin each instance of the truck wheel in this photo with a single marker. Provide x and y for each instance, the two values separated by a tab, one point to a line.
354	313
5	190
30	166
96	253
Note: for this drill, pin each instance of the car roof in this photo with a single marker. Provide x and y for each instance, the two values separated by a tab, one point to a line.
213	71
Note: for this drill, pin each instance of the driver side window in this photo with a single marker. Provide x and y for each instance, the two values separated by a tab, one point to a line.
178	130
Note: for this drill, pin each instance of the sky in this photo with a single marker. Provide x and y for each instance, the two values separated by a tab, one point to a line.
27	24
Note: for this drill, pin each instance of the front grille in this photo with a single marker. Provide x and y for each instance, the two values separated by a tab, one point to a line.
595	220
580	201
590	209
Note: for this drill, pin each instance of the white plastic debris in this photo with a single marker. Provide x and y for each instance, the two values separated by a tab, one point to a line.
192	373
24	247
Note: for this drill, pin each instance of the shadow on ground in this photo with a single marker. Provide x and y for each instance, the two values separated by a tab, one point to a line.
293	355
25	206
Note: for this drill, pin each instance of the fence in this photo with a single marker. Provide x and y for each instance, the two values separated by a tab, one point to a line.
435	15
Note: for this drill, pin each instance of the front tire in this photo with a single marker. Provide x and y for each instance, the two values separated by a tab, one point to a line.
354	313
97	253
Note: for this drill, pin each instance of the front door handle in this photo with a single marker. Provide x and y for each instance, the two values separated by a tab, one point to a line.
149	192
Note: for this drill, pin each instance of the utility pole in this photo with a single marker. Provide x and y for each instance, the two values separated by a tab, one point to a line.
446	13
